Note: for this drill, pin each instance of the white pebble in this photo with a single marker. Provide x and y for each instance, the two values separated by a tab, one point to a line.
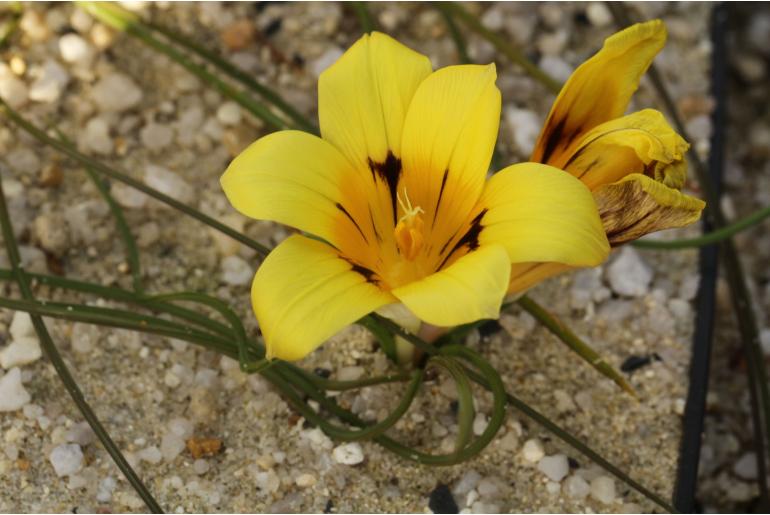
201	466
21	325
467	482
628	274
127	196
348	454
598	14
488	488
12	89
746	466
552	487
66	459
155	136
325	60
556	67
20	351
305	480
229	113
350	373
181	427
115	93
236	271
576	487
171	446
556	467
150	455
13	396
168	182
81	434
533	451
75	49
51	81
480	423
525	126
106	486
603	489
96	137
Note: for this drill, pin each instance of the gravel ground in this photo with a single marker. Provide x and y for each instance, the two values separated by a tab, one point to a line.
126	105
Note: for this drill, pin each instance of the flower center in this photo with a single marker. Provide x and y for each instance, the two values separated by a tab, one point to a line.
409	230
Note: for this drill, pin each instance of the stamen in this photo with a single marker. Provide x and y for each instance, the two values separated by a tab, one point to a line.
409	230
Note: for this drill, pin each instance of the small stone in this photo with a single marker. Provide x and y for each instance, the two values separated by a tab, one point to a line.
200	447
598	14
467	482
75	49
350	373
83	337
168	182
325	60
51	176
20	351
628	274
155	137
81	21
348	454
556	67
525	126
488	488
102	36
746	466
564	402
181	427
116	93
764	339
442	501
603	489
236	271
238	35
556	467
171	446
305	480
67	459
51	231
96	137
51	80
34	25
21	326
201	466
12	89
81	434
480	423
552	487
127	196
533	451
229	113
106	487
13	396
576	487
150	454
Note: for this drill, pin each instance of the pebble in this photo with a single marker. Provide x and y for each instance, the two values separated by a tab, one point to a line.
127	196
480	424
201	466
51	80
13	395
21	326
764	339
305	480
325	60
81	434
150	454
229	113
603	489
20	351
96	137
576	487
67	459
155	136
171	445
236	271
556	67
533	451
466	483
348	453
116	93
181	427
238	35
106	487
746	466
34	26
350	373
488	488
51	231
12	89
168	182
556	467
598	14
75	49
525	126
628	274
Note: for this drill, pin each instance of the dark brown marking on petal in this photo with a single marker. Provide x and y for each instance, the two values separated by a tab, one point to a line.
369	275
342	208
440	194
554	138
389	171
589	167
374	225
469	239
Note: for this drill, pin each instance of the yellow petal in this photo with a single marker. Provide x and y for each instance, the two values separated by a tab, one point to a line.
526	275
449	135
304	293
362	103
539	213
599	90
470	289
638	205
642	142
300	180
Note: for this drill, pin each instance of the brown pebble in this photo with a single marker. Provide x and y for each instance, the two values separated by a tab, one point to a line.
238	35
200	447
22	464
51	176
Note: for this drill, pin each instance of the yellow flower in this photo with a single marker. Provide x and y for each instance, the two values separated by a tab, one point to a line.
396	198
633	164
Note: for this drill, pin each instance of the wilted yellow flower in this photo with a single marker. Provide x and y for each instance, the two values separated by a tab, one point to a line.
396	198
633	164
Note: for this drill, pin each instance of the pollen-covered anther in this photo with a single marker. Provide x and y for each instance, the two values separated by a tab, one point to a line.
409	230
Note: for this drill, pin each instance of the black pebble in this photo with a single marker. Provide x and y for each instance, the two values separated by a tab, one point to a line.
329	506
323	372
273	27
441	500
487	329
635	362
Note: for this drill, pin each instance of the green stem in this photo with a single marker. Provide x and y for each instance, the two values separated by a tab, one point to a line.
364	17
581	348
61	368
124	21
502	45
454	32
710	238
